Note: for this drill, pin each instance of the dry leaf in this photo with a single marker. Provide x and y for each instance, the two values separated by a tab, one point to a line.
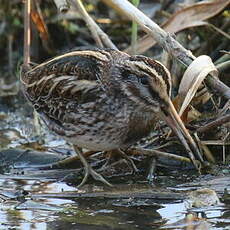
37	18
40	25
190	16
193	77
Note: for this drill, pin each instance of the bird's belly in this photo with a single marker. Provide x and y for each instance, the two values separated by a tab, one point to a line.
96	132
96	142
111	136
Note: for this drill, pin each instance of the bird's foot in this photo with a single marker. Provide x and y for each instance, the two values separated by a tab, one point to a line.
129	160
134	167
123	155
90	171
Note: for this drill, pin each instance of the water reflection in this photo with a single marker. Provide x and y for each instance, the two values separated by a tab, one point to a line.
24	211
94	213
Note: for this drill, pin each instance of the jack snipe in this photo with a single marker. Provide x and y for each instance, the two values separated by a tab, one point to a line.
103	100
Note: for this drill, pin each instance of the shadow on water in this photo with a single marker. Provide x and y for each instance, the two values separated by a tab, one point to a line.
33	198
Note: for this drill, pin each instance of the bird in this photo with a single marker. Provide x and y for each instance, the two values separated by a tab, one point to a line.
102	100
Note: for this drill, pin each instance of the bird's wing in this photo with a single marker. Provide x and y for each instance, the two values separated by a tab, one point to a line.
84	65
65	83
73	72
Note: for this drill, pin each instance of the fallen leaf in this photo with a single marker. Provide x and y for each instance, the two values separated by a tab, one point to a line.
191	16
192	79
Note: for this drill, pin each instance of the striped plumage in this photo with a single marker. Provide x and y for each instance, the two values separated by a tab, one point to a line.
100	99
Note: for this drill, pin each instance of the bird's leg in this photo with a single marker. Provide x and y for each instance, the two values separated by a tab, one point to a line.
152	169
123	154
69	161
89	170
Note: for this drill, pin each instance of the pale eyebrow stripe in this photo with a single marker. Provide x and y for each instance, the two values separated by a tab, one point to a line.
144	67
149	70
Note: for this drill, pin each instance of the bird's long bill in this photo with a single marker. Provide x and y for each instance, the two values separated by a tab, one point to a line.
173	120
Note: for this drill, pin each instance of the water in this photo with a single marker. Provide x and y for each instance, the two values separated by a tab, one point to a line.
31	198
46	205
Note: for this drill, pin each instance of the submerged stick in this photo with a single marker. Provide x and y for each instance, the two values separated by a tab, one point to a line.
116	195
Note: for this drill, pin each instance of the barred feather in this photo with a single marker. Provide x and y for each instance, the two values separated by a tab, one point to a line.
98	99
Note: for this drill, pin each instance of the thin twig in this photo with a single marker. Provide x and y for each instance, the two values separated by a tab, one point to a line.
214	37
27	34
157	153
225	108
208	154
89	21
218	122
215	142
165	40
10	54
134	31
224	149
99	36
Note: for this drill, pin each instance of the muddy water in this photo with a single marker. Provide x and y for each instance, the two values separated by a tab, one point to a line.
31	198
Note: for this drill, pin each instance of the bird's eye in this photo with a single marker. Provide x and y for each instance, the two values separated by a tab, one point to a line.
132	77
144	80
128	76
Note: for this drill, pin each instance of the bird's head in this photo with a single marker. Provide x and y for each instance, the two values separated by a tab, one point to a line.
148	83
